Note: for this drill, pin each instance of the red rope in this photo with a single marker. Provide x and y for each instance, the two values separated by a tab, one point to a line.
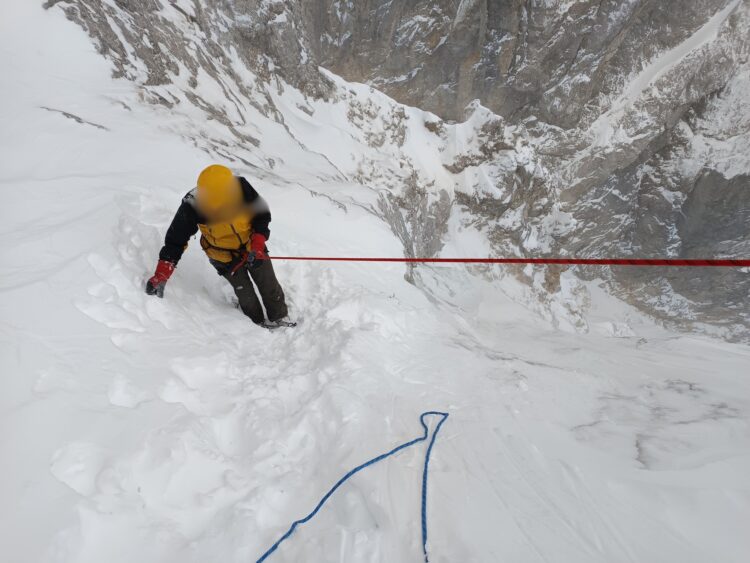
714	263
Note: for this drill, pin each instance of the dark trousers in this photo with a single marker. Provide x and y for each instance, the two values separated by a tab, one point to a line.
268	286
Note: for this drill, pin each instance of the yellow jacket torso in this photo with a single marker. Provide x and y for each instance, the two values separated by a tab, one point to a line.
224	240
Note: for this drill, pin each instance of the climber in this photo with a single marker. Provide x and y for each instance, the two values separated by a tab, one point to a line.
233	220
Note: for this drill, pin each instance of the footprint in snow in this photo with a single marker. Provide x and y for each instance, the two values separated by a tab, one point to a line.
77	465
123	392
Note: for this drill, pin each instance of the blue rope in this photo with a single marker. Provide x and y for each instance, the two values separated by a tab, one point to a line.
443	417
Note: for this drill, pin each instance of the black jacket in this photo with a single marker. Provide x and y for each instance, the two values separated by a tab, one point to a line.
186	220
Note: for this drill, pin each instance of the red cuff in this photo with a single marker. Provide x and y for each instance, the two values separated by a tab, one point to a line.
164	270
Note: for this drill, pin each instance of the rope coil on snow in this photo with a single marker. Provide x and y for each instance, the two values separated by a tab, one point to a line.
443	417
673	262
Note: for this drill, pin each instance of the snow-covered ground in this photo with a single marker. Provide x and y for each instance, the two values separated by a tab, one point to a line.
138	429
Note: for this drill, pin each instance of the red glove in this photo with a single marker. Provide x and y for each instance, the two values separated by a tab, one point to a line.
155	285
258	246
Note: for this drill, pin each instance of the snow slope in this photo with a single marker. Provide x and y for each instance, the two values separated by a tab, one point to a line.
171	430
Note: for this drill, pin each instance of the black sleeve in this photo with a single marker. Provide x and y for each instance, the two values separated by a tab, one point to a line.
262	214
184	225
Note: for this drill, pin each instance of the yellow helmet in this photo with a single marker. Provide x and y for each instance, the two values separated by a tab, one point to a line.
219	191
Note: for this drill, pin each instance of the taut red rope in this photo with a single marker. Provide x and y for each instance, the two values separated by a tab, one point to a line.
709	263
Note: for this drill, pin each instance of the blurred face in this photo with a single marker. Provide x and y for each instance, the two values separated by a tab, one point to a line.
220	202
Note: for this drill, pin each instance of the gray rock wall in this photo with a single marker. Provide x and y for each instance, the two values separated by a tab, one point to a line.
520	58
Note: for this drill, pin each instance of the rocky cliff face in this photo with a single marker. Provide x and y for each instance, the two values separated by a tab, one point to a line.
587	128
549	59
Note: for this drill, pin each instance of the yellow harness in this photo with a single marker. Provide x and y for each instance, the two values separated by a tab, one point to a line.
224	241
